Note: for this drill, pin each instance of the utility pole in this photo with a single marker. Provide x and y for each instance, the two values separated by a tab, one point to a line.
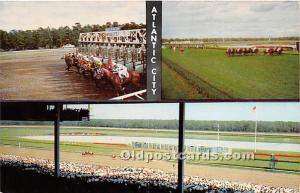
181	147
218	125
255	132
58	109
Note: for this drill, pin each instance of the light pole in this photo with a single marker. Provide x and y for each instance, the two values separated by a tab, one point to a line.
255	132
218	125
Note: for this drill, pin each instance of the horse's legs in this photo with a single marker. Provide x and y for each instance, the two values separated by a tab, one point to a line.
118	88
138	85
117	92
68	67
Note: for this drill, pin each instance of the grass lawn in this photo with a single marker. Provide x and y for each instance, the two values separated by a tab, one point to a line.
241	77
15	133
175	86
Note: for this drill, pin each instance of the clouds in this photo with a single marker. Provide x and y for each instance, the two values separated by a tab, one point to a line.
31	15
288	111
230	19
263	7
180	19
271	111
135	111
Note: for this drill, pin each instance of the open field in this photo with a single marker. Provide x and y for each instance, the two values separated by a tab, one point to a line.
41	75
86	138
215	75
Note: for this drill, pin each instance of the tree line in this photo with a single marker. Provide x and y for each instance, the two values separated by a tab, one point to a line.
53	37
197	125
291	38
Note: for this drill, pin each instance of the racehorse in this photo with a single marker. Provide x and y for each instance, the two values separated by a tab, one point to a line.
245	51
230	51
87	153
255	51
278	50
86	67
117	82
269	51
69	61
239	51
249	51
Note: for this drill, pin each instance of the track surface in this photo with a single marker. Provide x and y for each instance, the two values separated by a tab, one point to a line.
41	75
173	141
251	176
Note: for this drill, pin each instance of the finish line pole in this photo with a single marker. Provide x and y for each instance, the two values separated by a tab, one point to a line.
56	139
181	147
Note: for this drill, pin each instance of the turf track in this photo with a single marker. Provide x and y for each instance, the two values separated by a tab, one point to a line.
217	76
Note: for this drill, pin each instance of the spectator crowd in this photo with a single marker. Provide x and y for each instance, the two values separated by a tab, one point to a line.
142	177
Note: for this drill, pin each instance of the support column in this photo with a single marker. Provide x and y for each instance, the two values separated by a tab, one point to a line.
181	146
1	178
56	139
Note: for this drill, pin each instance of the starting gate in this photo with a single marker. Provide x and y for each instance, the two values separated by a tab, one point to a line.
126	47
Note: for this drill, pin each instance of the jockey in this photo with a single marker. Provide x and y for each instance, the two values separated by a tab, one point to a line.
97	61
79	56
85	58
119	69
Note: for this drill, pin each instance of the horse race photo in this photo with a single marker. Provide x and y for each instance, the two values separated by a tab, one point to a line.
236	147
230	50
72	51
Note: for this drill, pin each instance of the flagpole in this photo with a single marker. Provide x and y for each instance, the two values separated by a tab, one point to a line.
218	135
255	134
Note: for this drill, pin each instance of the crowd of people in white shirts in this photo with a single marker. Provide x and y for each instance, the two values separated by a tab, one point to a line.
142	177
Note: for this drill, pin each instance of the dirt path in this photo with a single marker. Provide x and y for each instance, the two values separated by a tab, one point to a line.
242	175
42	76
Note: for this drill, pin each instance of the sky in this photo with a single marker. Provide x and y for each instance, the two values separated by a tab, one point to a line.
135	111
32	15
230	19
266	111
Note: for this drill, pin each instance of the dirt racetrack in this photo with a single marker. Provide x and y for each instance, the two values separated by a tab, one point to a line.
242	175
41	75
